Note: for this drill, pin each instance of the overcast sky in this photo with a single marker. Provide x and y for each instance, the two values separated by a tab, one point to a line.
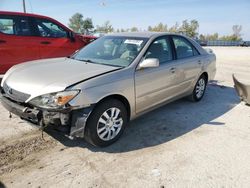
213	15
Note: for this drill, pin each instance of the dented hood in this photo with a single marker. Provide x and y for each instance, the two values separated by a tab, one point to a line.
51	75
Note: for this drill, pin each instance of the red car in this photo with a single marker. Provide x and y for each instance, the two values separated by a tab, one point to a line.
25	37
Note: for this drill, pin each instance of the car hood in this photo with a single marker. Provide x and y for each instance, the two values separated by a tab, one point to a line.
51	75
86	38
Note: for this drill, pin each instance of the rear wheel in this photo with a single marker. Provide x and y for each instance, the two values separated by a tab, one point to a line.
106	123
199	89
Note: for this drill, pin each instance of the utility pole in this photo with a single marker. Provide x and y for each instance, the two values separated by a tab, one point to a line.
24	8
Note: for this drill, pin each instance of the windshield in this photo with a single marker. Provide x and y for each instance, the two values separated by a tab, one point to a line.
111	50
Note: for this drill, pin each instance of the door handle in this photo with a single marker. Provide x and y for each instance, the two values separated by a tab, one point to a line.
45	42
172	70
199	62
2	41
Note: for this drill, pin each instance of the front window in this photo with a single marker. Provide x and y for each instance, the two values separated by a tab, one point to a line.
47	28
112	50
160	49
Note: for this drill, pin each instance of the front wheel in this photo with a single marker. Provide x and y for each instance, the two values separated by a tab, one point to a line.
106	123
199	89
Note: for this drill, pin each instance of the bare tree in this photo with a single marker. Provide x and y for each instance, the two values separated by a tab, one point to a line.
158	28
214	36
190	29
236	31
87	25
134	29
105	28
76	23
79	25
175	28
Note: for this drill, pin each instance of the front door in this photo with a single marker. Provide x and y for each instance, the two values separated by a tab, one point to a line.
155	85
53	39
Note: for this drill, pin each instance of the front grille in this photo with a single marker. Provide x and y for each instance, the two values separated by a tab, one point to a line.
14	94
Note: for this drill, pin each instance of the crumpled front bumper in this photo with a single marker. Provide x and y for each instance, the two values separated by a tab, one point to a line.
74	120
30	114
243	90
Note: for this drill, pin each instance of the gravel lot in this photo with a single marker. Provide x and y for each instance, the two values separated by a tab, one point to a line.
182	144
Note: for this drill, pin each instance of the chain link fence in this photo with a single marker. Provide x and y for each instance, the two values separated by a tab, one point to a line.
223	43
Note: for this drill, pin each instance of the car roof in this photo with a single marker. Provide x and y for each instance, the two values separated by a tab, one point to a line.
153	35
22	14
141	34
32	15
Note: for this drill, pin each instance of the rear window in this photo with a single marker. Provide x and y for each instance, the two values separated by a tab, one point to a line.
7	26
184	48
15	26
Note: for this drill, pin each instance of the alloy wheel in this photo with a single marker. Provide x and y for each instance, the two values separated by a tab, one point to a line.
109	124
200	88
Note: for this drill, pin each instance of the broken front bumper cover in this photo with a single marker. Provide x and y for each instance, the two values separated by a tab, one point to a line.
243	90
32	115
75	120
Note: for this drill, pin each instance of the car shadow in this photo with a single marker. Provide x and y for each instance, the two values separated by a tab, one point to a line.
2	185
168	122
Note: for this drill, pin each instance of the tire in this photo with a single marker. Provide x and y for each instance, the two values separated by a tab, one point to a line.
199	89
106	123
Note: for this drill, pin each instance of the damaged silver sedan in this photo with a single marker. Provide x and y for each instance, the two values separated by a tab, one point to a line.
95	92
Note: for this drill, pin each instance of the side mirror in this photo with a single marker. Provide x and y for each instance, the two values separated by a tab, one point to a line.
71	36
70	56
209	50
149	63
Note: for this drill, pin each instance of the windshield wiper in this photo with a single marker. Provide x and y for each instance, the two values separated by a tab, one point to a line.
88	61
112	65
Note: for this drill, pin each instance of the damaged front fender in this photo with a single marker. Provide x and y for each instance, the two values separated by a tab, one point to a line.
79	120
243	90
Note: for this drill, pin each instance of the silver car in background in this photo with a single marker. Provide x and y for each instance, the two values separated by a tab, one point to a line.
95	92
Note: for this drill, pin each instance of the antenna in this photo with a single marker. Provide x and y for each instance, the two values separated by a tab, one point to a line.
24	7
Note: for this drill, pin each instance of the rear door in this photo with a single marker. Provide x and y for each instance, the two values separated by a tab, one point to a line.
53	39
188	62
17	41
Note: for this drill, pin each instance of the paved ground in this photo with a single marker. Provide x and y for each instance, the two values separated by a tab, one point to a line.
182	144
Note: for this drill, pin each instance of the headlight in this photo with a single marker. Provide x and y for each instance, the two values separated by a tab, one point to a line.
54	100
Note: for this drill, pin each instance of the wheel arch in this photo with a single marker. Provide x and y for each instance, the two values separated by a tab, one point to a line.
79	121
206	76
121	98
